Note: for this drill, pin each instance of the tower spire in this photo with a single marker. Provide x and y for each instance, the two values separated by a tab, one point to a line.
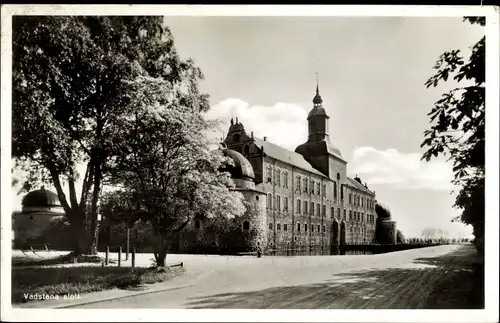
317	84
317	98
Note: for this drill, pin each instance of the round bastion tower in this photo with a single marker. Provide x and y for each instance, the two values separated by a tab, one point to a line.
386	227
252	225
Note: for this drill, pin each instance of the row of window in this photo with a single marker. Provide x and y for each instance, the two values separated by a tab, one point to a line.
285	227
319	228
303	185
361	230
305	207
362	201
360	217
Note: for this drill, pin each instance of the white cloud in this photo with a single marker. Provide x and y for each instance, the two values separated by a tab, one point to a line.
284	124
401	170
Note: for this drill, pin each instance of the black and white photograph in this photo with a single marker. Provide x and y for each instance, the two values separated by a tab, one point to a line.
169	158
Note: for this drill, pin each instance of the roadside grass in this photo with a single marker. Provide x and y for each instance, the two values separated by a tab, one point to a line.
78	280
24	261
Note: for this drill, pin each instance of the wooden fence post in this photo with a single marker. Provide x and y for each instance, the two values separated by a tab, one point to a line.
128	244
107	256
120	257
133	257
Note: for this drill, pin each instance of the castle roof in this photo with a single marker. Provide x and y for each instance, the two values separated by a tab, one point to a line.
356	184
286	156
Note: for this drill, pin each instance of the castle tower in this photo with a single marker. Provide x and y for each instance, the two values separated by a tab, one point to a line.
318	119
318	150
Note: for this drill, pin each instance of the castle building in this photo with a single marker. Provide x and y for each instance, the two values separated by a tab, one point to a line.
295	200
310	202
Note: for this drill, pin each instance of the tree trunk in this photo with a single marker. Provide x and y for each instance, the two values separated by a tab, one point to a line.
94	227
78	227
160	251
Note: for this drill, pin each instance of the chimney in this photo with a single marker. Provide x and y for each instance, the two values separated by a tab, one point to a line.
265	138
251	134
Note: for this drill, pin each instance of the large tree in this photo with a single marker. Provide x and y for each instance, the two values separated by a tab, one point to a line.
69	98
167	171
458	129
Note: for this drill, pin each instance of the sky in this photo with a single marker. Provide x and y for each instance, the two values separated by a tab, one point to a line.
371	73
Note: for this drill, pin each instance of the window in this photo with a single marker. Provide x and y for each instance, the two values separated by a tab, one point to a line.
350	198
246	225
269	200
324	228
319	228
257	197
305	185
362	201
312	187
335	190
359	216
345	214
270	225
312	227
332	213
318	188
362	217
269	174
324	210
312	208
338	176
298	185
338	213
285	227
318	209
324	190
197	224
278	203
278	226
305	207
285	179
342	191
305	227
285	204
278	177
298	206
298	227
350	215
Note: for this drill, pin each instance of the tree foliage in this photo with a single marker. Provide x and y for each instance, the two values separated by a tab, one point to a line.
71	98
168	173
458	128
400	238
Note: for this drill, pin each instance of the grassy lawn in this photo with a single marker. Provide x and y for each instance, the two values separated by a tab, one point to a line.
21	261
79	280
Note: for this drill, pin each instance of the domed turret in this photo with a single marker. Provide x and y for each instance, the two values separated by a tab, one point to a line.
382	211
42	201
242	168
41	198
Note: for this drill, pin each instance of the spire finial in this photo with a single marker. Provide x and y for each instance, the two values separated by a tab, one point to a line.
232	121
317	98
317	84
